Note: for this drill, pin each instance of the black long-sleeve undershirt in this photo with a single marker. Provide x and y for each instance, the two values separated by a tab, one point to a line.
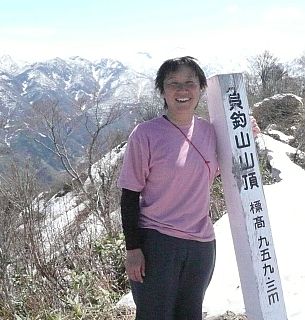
130	209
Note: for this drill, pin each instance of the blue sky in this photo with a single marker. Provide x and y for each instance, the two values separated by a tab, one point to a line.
222	30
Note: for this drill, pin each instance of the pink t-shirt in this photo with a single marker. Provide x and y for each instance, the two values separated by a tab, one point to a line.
172	177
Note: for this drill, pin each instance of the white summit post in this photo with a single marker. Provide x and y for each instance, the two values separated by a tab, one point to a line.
245	200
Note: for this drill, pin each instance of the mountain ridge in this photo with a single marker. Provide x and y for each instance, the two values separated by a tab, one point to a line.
74	85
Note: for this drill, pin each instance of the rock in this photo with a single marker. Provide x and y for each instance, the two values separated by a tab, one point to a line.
126	302
284	111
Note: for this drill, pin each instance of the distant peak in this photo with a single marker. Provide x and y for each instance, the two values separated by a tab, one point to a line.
146	54
7	64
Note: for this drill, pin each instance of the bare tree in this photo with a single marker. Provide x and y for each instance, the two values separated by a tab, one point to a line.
19	245
266	75
298	76
94	123
7	236
149	107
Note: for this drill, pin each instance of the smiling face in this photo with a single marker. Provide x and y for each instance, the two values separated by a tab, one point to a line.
181	91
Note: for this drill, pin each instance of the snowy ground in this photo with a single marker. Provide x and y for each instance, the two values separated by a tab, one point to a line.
285	202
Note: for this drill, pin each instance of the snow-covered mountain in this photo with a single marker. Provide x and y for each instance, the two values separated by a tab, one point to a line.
7	64
71	79
67	83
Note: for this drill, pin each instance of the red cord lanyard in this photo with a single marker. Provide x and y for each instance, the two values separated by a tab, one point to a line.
191	143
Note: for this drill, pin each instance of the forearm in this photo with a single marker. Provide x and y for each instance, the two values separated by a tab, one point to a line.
130	210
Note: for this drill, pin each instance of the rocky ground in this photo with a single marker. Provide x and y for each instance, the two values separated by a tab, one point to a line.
130	315
228	316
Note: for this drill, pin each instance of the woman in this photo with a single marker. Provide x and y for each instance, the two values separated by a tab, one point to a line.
167	172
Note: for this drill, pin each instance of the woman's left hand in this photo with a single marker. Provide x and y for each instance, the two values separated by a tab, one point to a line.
255	128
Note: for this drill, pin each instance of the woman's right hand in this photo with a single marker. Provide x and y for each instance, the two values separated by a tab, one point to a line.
135	265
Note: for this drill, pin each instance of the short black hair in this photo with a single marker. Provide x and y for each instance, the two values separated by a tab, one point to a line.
172	65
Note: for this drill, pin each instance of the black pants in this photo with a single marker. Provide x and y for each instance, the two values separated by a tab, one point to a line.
178	273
